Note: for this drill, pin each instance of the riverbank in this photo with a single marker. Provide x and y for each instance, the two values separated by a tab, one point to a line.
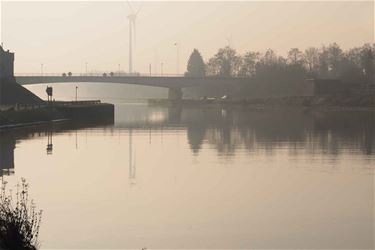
349	102
32	115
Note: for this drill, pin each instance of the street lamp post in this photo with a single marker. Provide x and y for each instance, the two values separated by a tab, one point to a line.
177	58
76	93
41	71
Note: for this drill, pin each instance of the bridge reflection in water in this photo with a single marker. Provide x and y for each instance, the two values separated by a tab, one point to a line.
226	130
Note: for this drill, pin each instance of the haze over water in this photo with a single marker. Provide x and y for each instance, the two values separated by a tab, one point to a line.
199	177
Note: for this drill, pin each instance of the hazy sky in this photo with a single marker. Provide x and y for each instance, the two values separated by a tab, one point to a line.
65	35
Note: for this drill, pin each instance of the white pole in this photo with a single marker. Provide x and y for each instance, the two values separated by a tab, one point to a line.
130	46
177	58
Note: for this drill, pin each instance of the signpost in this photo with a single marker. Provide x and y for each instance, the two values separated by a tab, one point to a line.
49	92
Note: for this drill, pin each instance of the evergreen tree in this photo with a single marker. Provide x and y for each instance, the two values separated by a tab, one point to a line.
196	66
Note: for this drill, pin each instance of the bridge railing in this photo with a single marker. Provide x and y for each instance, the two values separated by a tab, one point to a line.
22	107
66	103
115	74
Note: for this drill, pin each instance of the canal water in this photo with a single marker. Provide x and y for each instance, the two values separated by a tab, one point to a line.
198	177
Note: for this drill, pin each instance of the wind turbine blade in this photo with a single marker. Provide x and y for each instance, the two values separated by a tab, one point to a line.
130	6
140	7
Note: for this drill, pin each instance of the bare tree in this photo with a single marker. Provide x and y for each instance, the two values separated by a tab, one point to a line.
295	56
225	63
248	64
334	59
367	61
311	58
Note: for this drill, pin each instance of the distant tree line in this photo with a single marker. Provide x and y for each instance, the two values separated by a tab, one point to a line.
275	75
355	65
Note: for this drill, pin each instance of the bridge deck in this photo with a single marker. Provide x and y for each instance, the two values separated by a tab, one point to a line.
156	81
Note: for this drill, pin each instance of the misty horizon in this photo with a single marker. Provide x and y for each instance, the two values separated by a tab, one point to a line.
72	31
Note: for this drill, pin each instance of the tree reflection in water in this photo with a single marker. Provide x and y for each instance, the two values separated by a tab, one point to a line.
229	129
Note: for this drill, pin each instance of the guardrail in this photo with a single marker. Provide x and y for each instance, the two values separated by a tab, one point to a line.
23	107
115	74
65	103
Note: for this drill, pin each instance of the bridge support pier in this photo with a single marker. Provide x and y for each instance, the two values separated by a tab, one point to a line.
175	94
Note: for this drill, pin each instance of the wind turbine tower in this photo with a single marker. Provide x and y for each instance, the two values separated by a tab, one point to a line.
132	19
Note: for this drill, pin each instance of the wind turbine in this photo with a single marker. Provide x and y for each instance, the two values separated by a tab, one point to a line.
132	18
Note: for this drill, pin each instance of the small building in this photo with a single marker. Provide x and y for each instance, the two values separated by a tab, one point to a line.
12	93
6	64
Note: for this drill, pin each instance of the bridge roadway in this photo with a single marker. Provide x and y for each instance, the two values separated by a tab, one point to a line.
155	81
175	84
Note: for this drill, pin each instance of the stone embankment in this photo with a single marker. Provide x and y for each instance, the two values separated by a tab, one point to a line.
340	101
21	115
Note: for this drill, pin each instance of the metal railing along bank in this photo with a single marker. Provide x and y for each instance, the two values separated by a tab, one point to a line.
106	74
24	107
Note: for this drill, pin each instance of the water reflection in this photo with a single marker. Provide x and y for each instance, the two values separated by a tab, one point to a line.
314	132
155	172
227	130
49	143
132	169
10	138
7	146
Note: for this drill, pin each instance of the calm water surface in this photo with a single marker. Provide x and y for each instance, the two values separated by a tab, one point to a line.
199	177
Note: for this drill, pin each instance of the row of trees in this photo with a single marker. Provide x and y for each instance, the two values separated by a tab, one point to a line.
353	65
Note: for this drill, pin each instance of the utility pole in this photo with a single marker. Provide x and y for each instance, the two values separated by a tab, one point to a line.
131	18
76	93
41	71
177	58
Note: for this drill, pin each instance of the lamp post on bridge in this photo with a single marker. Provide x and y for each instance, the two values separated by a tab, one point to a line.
177	57
41	71
76	93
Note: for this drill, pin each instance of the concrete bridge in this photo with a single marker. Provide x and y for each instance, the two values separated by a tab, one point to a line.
174	84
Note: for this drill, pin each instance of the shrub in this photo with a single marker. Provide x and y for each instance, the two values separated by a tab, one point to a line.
19	219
